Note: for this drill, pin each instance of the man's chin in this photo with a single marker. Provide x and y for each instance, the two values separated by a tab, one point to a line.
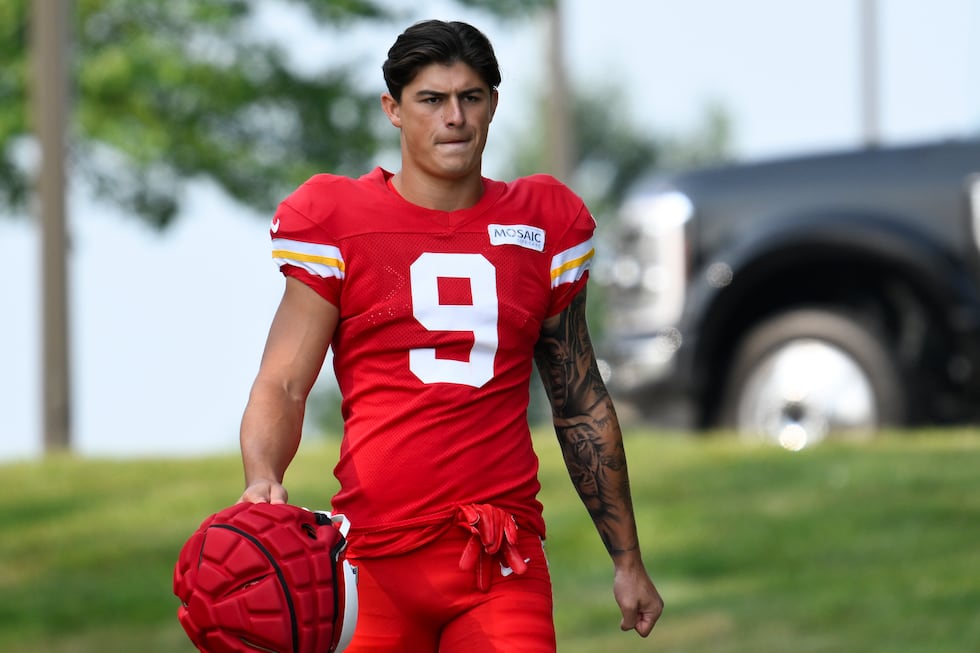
457	170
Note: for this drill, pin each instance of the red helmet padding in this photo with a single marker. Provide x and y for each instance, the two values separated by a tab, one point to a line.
262	577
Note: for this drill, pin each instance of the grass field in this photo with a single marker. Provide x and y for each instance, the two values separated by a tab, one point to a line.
844	549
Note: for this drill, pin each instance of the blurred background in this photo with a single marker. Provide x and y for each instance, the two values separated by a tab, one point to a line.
187	121
136	291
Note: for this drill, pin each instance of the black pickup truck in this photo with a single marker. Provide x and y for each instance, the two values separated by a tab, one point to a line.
797	299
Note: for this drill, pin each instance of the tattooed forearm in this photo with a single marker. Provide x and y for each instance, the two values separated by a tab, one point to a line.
586	425
566	362
598	472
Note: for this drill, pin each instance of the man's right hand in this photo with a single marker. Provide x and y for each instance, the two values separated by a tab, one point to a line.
264	492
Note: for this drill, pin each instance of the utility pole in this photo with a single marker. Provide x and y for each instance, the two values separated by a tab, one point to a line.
560	145
868	49
49	31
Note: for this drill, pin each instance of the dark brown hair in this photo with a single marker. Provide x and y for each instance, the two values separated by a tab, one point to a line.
436	41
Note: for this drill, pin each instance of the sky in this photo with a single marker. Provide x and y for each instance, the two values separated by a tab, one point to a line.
167	329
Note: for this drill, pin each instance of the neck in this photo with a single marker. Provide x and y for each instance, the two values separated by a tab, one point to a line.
439	194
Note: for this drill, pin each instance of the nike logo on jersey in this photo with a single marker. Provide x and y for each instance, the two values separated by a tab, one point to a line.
507	571
521	235
275	225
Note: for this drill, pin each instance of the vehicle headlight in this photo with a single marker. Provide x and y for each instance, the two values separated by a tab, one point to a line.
651	261
973	188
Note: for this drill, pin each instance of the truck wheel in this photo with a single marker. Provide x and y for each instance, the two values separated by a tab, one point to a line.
809	374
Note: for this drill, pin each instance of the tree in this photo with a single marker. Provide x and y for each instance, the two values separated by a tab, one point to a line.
164	92
612	153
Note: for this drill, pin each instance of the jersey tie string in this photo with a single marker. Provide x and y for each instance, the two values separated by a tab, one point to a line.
493	538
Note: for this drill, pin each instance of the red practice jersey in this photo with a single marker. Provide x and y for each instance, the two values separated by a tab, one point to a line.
439	315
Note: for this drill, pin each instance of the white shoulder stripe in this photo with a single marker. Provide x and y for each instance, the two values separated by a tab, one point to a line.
570	265
321	260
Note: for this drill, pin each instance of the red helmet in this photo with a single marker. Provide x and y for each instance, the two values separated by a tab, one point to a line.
267	577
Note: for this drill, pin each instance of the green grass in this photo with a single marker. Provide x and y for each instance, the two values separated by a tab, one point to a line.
843	548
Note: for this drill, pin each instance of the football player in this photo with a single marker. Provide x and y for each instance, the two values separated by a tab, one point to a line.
437	288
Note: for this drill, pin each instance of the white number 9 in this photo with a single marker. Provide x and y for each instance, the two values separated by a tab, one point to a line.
478	318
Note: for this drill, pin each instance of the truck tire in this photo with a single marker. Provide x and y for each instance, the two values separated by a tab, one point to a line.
809	374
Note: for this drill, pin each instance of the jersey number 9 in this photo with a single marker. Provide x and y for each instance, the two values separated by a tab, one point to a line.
478	318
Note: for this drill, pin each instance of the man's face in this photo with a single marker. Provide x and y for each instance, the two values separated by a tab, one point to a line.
444	116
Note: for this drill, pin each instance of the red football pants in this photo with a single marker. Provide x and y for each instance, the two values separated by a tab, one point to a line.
421	602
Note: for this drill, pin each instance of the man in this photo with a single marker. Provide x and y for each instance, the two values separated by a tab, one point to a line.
436	287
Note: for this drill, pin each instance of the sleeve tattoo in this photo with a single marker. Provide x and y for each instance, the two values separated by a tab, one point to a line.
586	425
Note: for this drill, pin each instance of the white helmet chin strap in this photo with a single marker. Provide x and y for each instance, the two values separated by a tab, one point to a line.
350	609
350	584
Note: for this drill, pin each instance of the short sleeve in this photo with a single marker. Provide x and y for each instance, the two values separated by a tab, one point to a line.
302	249
570	265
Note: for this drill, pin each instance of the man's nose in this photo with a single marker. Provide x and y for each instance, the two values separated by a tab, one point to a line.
453	114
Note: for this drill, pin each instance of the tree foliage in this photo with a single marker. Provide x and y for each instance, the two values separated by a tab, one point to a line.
168	91
612	153
13	115
165	91
179	90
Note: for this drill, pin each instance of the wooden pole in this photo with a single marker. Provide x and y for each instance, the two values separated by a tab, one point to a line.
560	135
50	34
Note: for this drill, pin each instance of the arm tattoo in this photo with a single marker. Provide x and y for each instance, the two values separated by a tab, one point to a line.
586	425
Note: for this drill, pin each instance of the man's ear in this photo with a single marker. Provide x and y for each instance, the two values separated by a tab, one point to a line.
392	109
494	96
